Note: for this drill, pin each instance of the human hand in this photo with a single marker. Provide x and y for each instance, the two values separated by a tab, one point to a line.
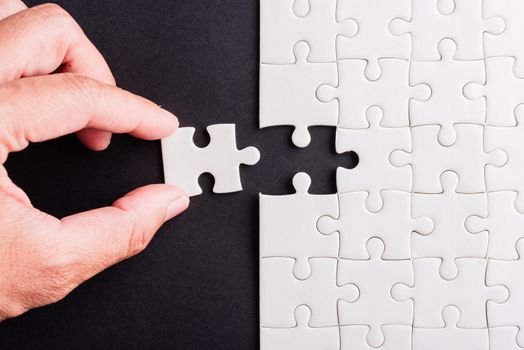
53	82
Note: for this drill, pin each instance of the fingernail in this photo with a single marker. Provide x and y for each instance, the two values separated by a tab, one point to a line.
177	206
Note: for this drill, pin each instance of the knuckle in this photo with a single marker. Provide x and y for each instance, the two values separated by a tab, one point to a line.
84	91
138	237
63	275
54	14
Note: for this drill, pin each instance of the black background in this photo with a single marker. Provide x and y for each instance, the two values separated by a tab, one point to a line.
196	286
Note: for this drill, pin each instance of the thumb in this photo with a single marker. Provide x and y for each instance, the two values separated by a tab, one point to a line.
99	238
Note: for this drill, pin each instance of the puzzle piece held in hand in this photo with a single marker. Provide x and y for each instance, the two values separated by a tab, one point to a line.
283	23
288	226
288	95
184	162
281	292
393	224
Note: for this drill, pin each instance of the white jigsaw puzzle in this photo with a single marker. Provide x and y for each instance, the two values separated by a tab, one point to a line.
421	247
184	162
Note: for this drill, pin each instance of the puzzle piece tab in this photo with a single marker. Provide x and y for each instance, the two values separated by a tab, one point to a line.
449	211
450	337
509	274
431	293
447	105
302	336
393	224
391	92
281	292
283	23
184	162
466	157
374	278
396	337
463	23
288	226
374	39
288	95
374	171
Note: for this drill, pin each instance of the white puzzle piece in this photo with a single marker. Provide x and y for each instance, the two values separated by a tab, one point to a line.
374	278
288	226
374	172
393	224
449	211
395	338
184	162
502	90
508	177
288	95
508	43
374	39
466	157
464	24
281	292
504	223
450	337
504	338
447	105
283	23
301	336
509	274
431	293
391	92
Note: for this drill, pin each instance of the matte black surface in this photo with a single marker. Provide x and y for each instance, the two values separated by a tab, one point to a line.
196	286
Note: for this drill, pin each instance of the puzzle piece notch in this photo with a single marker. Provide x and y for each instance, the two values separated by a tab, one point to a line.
374	40
504	338
281	292
465	25
451	336
184	162
393	224
374	278
509	177
374	171
446	7
288	95
356	95
286	22
505	44
288	226
509	274
447	105
502	90
466	157
504	223
449	211
301	336
468	291
396	337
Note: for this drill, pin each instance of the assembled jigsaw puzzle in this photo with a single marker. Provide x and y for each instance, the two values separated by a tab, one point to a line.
422	246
